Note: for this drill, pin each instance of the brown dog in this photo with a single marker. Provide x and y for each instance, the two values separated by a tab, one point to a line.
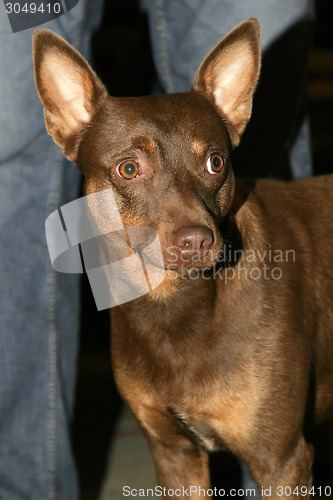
233	352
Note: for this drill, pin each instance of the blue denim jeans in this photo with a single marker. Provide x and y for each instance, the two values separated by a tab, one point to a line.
39	308
277	140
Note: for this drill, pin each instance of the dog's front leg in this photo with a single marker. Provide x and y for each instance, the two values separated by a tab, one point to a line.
181	462
182	470
288	476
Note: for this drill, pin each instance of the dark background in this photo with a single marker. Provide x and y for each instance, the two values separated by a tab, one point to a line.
123	61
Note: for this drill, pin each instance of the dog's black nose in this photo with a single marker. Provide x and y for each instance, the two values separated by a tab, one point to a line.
191	239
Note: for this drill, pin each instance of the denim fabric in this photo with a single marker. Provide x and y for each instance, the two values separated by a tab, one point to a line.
277	139
39	307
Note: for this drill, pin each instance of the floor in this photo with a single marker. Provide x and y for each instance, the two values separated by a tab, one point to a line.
129	452
109	448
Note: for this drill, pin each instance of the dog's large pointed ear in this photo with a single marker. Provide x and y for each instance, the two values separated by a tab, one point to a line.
229	76
68	88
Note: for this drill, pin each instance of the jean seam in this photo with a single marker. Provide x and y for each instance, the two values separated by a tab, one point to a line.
80	25
161	30
52	290
54	337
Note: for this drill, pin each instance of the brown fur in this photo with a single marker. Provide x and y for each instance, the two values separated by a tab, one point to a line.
204	364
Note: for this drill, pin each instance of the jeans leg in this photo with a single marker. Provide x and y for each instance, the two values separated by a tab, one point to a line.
39	307
184	31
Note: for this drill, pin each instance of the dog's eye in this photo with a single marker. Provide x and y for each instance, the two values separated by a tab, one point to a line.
128	169
215	164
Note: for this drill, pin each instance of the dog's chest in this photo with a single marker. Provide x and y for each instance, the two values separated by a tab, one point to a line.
204	387
222	420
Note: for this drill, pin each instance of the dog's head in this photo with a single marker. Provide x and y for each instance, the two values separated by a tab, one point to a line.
167	158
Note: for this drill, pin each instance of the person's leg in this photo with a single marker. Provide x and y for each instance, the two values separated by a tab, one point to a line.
184	31
39	307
